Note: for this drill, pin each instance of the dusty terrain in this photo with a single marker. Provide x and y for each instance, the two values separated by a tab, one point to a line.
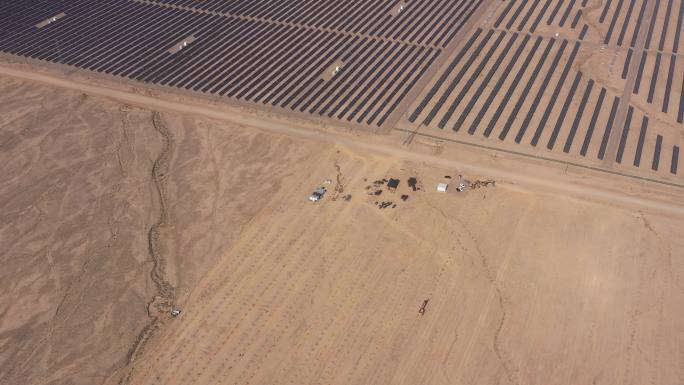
522	285
135	180
522	288
78	204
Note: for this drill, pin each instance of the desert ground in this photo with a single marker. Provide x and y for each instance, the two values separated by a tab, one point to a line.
503	284
78	203
521	288
157	156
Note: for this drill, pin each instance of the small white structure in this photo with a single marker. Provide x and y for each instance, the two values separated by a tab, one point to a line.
332	70
50	20
182	44
398	9
175	312
442	187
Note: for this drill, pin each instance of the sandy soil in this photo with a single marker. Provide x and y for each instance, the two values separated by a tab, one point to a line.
522	288
78	203
559	284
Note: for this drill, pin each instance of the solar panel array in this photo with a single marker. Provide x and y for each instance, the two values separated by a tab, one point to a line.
624	19
429	22
660	71
531	15
275	53
512	85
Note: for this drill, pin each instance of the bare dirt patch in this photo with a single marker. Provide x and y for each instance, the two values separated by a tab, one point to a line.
521	287
91	189
504	284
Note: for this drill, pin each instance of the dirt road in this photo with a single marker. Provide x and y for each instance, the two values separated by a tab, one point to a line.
518	283
550	178
618	125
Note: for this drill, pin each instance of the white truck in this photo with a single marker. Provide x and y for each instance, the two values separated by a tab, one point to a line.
317	194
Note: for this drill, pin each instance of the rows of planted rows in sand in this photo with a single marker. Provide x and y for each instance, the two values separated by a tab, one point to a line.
519	82
278	53
294	306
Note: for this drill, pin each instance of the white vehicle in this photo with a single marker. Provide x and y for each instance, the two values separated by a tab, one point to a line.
318	194
463	184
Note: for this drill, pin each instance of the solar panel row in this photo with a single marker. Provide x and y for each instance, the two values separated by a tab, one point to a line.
273	53
425	22
527	15
554	107
623	15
